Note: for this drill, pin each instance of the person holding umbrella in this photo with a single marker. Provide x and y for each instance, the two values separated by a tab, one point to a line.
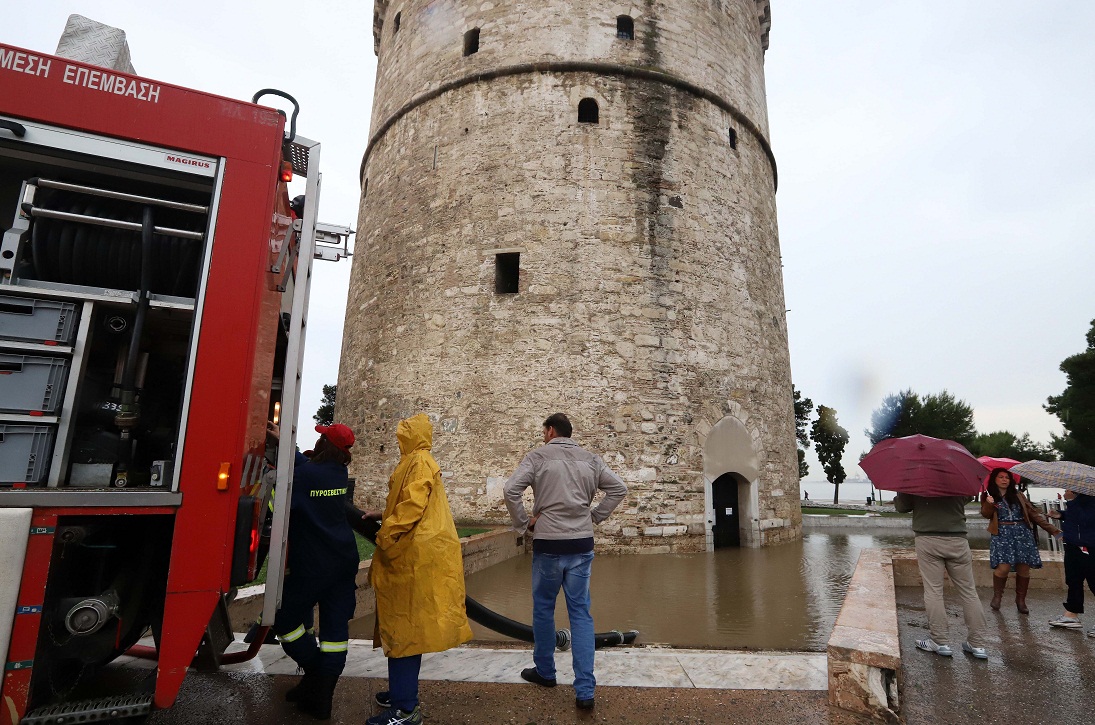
1013	545
935	479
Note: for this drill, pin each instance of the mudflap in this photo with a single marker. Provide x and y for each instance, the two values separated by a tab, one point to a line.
218	635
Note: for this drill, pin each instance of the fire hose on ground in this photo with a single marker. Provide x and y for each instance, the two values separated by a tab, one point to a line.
492	620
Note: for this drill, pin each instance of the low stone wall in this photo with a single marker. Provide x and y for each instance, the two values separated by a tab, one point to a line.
479	551
817	521
906	572
822	521
864	650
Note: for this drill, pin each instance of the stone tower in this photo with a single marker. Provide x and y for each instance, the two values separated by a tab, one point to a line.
570	206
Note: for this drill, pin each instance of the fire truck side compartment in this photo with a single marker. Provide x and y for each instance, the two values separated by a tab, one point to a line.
138	233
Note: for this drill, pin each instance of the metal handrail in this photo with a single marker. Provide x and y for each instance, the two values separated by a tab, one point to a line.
35	211
121	196
1047	506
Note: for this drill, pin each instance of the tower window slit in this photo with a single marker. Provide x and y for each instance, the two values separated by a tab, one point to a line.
733	139
398	18
625	27
588	112
471	42
507	273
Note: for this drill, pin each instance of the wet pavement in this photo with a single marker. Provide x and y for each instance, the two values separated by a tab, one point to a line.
257	699
1034	674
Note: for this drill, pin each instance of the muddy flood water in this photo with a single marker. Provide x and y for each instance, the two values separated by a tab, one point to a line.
782	597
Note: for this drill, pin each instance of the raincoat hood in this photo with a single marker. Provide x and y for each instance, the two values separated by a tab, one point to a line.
414	434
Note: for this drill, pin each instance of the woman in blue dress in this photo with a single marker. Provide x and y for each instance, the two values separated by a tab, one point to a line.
1013	544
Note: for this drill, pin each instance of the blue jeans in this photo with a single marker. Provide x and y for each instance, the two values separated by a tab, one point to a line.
403	681
571	573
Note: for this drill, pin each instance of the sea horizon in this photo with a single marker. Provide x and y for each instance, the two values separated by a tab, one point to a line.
856	492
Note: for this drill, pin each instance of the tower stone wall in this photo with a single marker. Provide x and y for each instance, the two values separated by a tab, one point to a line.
650	300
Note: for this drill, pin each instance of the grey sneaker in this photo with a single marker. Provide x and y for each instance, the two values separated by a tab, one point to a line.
384	699
929	645
1067	622
1091	633
978	652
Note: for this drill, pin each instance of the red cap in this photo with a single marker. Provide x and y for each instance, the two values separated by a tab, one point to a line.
338	434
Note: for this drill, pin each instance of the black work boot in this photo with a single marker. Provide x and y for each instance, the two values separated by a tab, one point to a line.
303	689
318	702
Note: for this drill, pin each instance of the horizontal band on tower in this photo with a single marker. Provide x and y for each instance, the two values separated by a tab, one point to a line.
610	69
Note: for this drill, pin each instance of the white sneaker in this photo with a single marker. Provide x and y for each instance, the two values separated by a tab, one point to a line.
1067	622
1091	633
929	645
978	652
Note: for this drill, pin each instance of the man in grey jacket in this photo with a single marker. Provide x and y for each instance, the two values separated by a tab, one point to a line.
564	479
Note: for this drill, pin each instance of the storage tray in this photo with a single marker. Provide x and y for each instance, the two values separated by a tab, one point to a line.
25	453
32	384
42	321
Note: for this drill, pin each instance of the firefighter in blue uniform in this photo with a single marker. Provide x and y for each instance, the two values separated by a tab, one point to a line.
321	568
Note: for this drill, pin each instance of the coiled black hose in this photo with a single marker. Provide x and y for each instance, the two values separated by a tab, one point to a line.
489	618
96	256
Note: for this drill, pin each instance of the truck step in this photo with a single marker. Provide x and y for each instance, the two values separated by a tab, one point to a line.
104	708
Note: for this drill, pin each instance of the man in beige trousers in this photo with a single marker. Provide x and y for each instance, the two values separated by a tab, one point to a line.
939	525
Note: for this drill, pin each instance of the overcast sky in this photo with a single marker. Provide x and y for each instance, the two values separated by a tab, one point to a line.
936	166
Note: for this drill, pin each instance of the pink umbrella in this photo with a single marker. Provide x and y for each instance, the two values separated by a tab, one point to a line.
993	463
923	466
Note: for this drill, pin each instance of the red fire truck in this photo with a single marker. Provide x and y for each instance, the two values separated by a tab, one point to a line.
154	279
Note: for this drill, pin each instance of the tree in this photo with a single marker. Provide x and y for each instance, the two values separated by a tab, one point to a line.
1005	444
895	417
1028	450
998	444
1075	407
939	415
829	441
326	413
803	408
944	416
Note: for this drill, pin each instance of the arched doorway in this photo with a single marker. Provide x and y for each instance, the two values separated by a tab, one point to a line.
731	470
726	531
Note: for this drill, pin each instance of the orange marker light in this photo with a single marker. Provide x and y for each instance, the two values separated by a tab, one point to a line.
277	413
222	477
286	171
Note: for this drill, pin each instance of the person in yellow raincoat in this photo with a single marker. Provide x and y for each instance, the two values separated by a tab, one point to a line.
417	573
